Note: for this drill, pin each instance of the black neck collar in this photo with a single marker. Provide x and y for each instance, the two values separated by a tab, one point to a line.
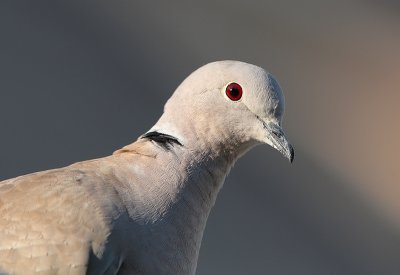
164	140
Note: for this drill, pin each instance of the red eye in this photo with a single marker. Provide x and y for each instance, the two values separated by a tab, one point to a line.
234	91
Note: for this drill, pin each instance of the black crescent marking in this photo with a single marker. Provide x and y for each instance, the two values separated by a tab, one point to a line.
164	140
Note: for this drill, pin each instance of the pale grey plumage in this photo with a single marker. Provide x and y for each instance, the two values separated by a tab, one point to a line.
143	209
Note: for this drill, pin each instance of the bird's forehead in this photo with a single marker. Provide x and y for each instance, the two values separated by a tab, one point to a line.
229	71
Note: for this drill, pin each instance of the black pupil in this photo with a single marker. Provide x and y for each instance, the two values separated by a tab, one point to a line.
234	92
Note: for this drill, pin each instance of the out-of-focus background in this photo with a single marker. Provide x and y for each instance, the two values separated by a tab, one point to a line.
79	79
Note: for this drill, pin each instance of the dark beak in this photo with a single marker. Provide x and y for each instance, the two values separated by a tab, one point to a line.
278	140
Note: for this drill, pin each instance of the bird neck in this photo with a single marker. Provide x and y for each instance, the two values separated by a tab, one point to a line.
195	169
185	220
188	167
172	207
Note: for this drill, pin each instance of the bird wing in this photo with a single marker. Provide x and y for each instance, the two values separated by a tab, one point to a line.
57	221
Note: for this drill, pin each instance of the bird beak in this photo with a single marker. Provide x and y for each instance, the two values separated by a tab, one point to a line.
278	140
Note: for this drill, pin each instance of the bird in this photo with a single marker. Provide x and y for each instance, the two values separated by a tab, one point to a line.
143	209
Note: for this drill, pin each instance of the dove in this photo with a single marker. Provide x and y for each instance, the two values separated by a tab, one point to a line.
144	208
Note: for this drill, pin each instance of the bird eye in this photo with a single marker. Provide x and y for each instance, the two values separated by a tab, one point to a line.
234	91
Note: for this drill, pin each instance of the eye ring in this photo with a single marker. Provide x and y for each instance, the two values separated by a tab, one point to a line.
234	91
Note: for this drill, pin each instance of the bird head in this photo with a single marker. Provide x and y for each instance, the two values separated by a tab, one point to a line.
228	102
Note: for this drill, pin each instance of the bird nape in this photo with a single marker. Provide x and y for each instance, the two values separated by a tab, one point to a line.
143	209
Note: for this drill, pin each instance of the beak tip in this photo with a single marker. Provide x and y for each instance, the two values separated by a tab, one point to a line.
277	139
291	156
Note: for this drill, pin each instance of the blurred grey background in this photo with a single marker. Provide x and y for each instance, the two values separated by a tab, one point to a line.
79	79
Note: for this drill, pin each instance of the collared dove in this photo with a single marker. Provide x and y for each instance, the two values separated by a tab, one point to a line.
143	209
